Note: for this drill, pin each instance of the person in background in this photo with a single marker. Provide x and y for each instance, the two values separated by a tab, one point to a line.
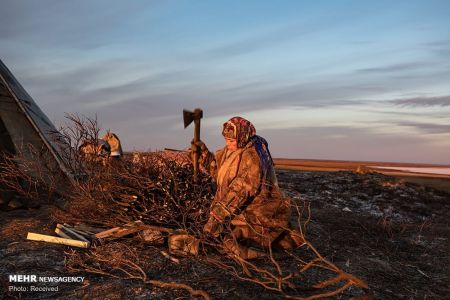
102	150
95	151
115	145
248	207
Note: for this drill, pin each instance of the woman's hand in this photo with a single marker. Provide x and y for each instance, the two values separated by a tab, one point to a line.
200	148
199	145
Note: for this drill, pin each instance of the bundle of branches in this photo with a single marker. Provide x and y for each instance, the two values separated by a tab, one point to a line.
157	190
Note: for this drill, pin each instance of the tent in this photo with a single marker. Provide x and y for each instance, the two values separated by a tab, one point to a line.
22	123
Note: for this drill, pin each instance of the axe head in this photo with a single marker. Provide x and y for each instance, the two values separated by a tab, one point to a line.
189	116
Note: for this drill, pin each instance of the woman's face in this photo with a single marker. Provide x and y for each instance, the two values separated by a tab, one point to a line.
231	144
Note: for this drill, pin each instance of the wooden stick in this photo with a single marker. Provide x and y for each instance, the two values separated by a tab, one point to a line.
175	150
166	255
71	233
56	240
83	233
162	229
59	232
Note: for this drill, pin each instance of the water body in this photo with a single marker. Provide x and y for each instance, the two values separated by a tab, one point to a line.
440	171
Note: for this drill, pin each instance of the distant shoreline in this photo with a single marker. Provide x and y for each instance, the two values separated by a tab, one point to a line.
360	166
437	181
356	162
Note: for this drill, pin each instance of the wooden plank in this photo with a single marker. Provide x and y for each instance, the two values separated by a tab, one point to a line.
106	233
125	231
56	240
132	227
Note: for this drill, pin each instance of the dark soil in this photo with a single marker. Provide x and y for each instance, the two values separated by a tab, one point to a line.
393	235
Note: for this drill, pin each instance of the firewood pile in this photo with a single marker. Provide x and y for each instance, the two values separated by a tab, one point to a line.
157	191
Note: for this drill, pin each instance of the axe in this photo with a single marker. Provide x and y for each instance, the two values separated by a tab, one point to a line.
188	117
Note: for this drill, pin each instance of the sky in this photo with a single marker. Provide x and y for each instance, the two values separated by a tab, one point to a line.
341	80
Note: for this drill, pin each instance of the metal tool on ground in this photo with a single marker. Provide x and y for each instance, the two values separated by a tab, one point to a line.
188	117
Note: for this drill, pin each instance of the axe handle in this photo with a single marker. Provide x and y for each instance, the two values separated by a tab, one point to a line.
197	150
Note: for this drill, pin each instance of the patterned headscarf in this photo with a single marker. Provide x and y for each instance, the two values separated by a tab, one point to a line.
240	129
244	132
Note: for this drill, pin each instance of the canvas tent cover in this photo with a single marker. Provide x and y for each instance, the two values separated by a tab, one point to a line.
22	122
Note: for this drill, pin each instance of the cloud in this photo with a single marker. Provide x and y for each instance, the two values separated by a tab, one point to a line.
439	47
352	143
439	43
254	43
394	68
442	101
54	24
397	113
430	128
144	98
272	37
